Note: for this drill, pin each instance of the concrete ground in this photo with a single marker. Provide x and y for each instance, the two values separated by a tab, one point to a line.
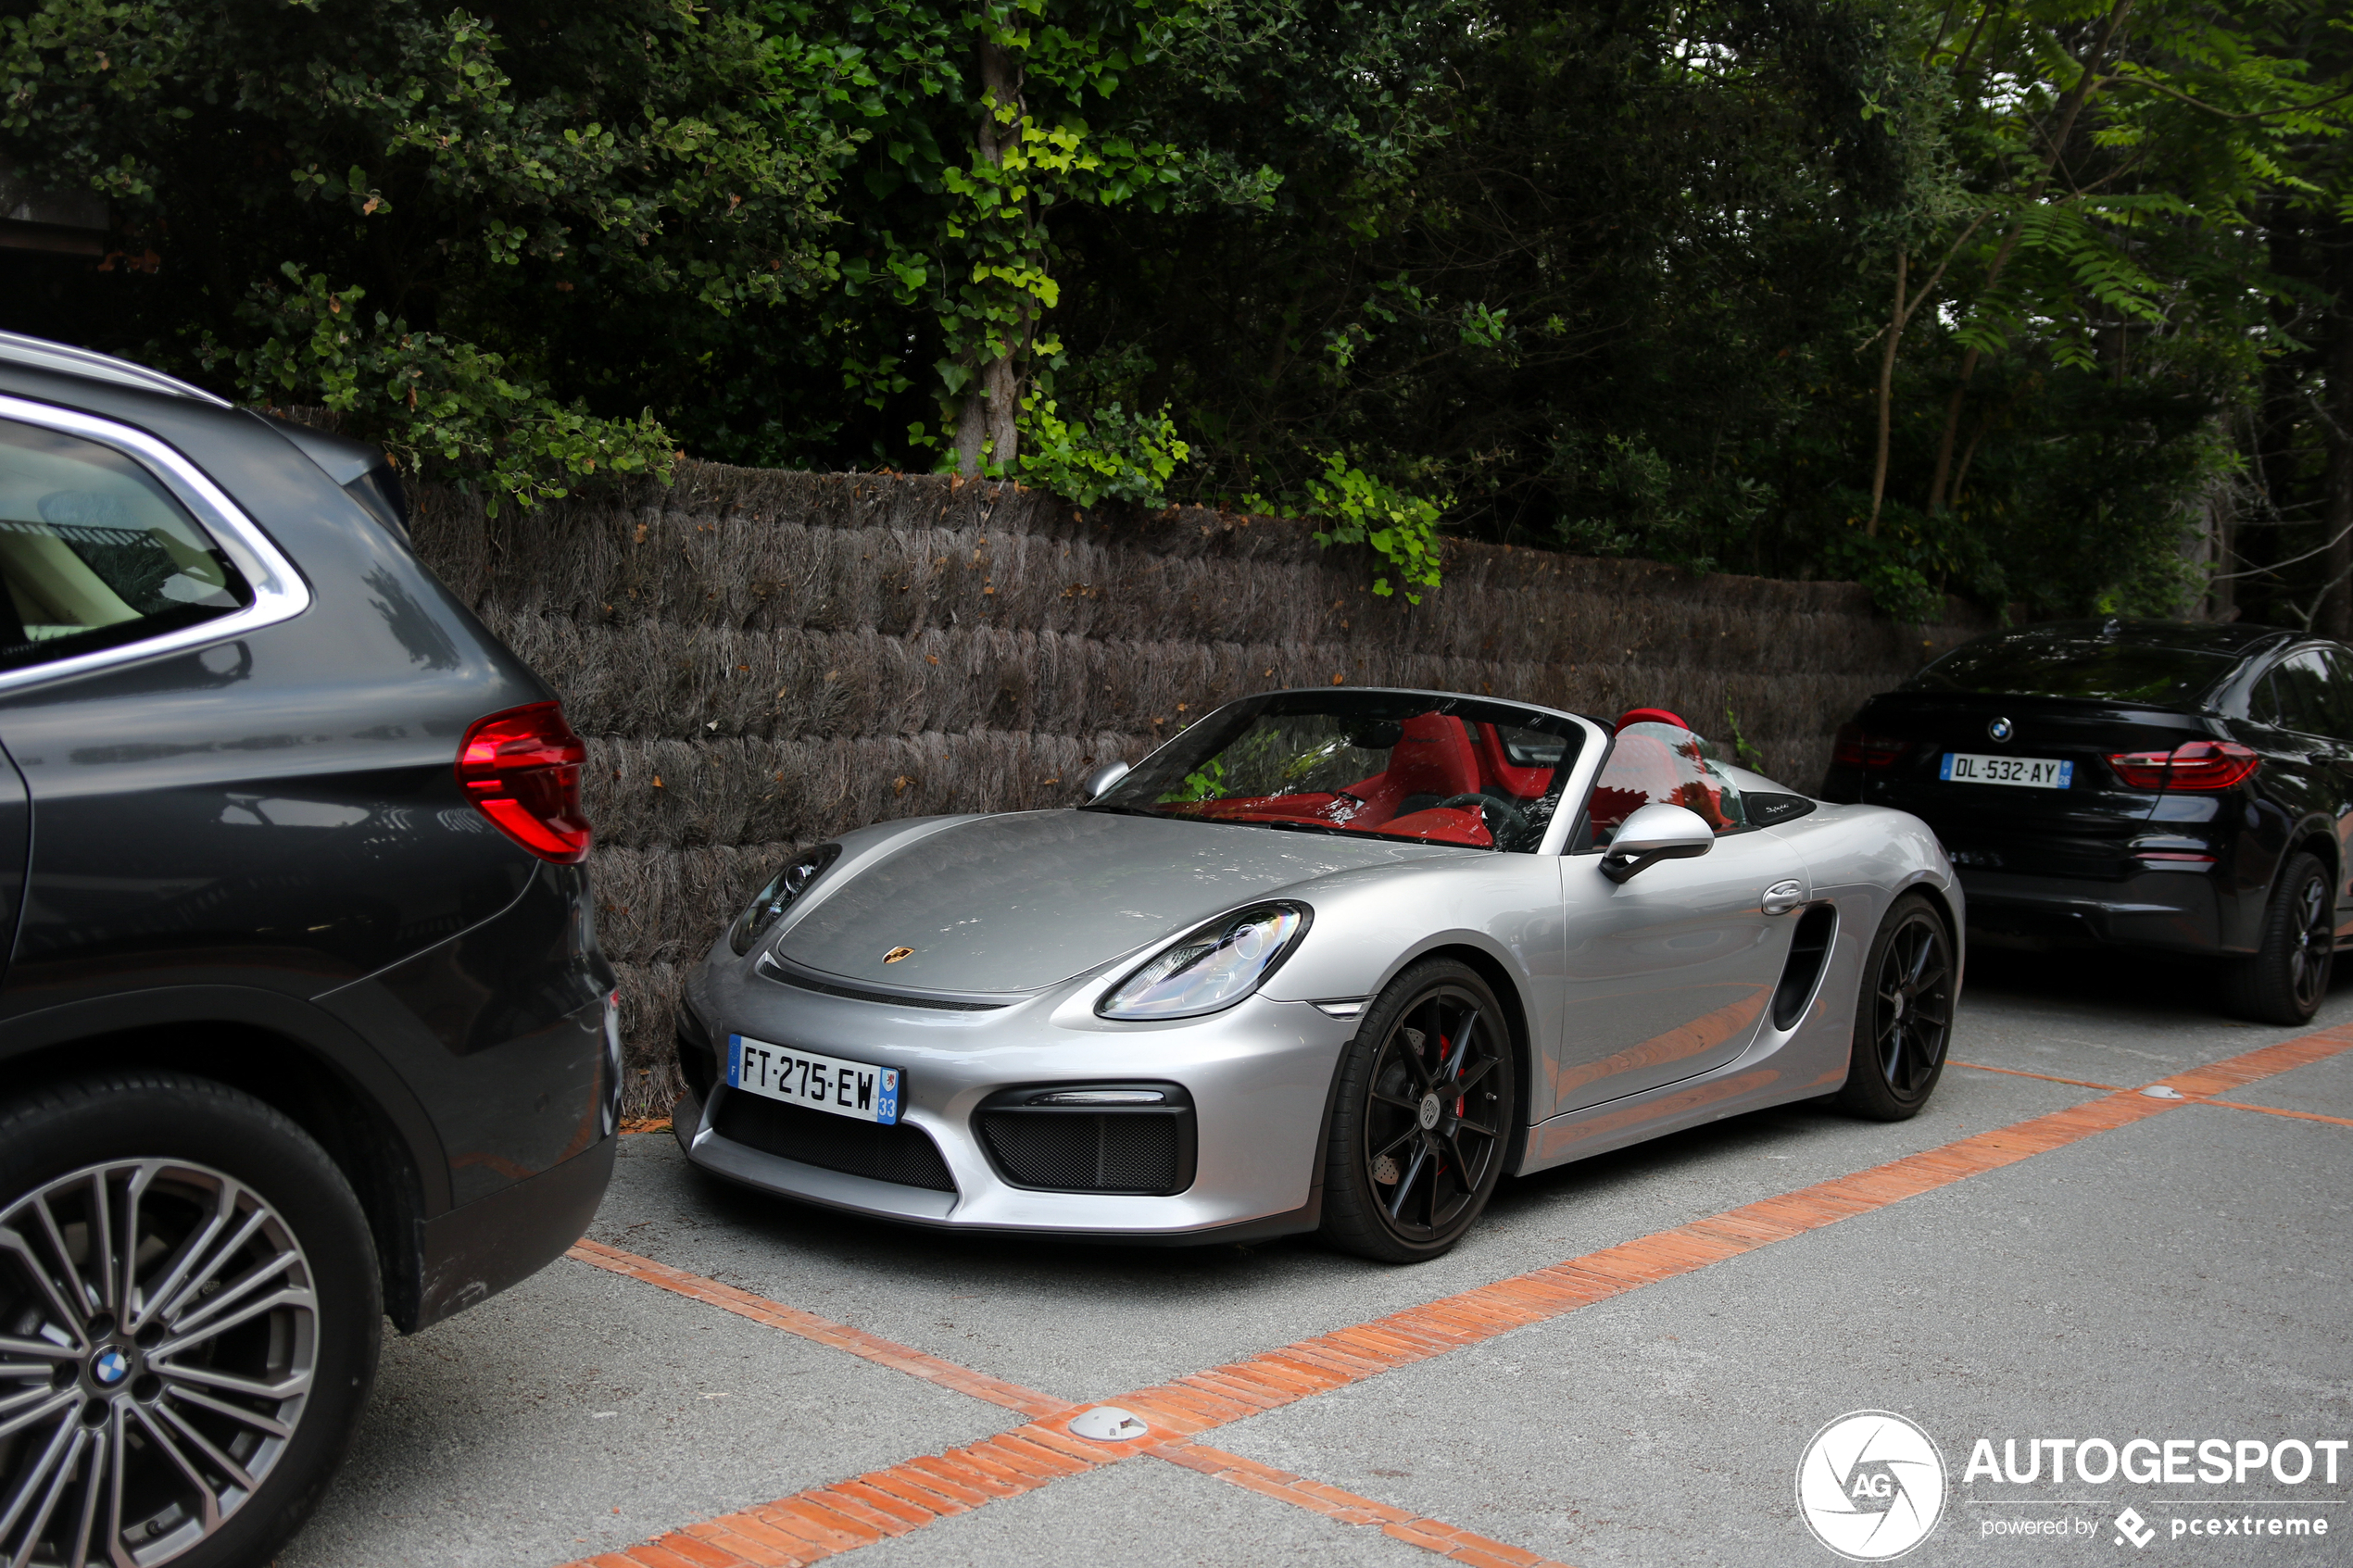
2183	1277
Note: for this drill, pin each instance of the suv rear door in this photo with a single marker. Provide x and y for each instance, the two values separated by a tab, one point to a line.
2301	716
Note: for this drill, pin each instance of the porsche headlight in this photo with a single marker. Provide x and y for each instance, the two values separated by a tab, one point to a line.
777	897
1212	966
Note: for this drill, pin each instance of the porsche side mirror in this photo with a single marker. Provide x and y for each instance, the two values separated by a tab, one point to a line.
1098	782
1654	833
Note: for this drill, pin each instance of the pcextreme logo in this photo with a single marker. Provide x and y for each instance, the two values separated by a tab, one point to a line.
1871	1486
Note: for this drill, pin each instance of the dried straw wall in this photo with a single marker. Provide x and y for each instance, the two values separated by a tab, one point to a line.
762	659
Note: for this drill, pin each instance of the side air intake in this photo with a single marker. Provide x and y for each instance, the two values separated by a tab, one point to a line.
1812	944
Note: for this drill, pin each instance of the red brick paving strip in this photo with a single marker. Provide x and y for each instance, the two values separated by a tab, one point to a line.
2087	1084
1347	1507
828	1521
2279	1110
809	1325
921	1490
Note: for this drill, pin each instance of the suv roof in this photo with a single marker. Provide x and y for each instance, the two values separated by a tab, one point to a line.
40	354
2185	637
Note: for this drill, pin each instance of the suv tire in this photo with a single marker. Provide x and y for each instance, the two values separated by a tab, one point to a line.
242	1351
2285	979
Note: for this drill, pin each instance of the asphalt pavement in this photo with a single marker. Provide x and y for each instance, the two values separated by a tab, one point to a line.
2167	1272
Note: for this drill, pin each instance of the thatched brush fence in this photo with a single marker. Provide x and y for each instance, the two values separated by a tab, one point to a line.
762	659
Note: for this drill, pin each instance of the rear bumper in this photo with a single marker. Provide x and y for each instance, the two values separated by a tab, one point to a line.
477	1250
2178	911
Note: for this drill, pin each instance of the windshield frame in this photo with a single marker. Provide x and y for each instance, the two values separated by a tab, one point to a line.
1589	739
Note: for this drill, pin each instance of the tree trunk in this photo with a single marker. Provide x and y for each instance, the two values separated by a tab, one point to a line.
984	427
1887	391
2335	617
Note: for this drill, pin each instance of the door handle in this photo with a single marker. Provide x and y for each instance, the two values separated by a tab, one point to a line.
1784	896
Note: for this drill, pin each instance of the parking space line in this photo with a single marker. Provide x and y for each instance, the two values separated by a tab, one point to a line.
1332	1502
828	1521
920	1491
2279	1110
2116	1088
2014	1072
809	1325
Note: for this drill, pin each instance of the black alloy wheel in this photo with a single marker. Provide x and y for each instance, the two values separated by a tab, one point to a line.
1424	1117
188	1325
2288	976
1903	1018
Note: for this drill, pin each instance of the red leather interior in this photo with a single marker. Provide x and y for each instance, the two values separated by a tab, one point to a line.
1456	824
1434	758
1523	783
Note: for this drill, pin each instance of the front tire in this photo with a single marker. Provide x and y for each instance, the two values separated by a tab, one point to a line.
2288	976
189	1309
1423	1118
1904	1015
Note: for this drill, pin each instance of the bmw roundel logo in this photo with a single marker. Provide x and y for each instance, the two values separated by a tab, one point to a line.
1999	729
110	1368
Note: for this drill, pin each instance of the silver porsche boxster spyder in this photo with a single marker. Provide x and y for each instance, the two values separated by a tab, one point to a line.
1332	960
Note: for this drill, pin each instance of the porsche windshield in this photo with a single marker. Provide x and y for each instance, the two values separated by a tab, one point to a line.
1435	769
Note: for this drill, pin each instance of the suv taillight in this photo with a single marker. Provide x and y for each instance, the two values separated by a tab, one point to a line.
522	768
2193	765
1855	749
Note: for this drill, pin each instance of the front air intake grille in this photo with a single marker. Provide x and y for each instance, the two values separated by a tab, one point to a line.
901	1153
1143	1150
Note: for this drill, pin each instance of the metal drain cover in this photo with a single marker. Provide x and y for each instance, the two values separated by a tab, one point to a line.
1109	1424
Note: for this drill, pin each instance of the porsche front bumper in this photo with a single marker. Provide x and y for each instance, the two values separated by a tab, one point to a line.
1259	1075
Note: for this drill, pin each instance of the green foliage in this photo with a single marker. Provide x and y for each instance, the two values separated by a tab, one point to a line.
1614	279
438	402
945	185
1119	456
545	204
1744	754
1357	508
1205	783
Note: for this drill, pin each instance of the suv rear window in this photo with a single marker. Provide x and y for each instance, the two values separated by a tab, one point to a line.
94	552
2078	665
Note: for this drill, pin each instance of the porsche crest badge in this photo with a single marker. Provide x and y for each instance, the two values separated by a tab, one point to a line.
898	953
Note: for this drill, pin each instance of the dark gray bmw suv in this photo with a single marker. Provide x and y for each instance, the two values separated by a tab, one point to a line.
302	1017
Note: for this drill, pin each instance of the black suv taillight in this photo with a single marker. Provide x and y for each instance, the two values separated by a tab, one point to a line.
2198	765
521	770
1853	748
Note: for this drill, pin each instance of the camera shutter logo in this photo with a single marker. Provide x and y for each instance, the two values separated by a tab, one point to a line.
1871	1486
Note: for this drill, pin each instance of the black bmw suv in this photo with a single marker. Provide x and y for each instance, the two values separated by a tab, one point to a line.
302	1018
2146	783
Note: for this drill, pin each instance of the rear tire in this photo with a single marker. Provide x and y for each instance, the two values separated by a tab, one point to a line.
1423	1119
2286	977
224	1388
1903	1014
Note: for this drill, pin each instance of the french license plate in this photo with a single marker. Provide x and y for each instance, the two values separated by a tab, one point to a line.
856	1089
2027	772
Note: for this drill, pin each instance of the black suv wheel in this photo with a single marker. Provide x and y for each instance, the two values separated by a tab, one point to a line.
188	1323
2288	975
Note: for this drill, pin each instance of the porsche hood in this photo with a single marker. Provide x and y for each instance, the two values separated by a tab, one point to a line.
1015	903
